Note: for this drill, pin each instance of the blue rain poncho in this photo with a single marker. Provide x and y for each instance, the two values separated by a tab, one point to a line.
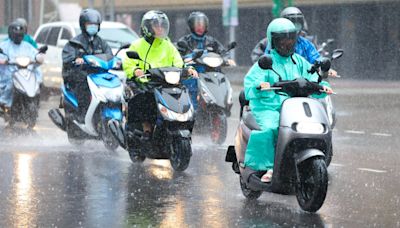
13	50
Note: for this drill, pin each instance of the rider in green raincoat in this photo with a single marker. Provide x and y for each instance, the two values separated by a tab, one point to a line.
155	50
266	105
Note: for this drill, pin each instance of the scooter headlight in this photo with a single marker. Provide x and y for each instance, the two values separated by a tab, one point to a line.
23	61
172	77
93	62
310	128
171	115
213	61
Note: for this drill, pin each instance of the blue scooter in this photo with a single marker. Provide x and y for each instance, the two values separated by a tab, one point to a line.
106	102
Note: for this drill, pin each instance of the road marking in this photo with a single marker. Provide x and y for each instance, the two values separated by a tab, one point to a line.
336	164
355	132
372	170
381	134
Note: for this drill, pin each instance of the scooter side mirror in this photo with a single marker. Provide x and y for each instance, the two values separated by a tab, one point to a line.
232	45
337	53
39	58
43	49
122	47
329	41
265	62
133	55
198	54
76	43
183	44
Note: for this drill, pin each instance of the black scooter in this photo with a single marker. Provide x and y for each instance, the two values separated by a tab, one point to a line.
215	91
171	136
303	142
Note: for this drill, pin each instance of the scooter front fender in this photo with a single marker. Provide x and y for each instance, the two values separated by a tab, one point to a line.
308	153
112	113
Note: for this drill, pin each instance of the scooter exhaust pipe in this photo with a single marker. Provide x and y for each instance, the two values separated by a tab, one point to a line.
57	118
117	131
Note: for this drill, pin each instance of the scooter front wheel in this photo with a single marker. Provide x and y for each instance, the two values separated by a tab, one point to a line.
110	142
31	112
181	151
74	133
248	193
135	155
313	186
328	156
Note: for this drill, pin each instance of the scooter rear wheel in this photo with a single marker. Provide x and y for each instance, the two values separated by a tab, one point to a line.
219	127
313	186
248	193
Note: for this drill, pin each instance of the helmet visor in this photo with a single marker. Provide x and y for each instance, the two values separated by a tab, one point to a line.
284	43
17	38
92	18
199	25
160	26
298	21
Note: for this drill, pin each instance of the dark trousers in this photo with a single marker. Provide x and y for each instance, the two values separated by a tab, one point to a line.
77	84
141	108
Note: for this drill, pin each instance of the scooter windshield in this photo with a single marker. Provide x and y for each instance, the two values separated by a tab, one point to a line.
103	61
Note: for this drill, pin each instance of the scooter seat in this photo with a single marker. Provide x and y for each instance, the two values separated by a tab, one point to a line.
249	120
242	99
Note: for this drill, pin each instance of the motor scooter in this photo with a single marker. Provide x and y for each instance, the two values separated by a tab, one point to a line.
106	102
172	128
215	92
26	92
303	142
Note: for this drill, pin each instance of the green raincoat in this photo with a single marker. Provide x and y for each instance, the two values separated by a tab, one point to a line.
161	53
266	106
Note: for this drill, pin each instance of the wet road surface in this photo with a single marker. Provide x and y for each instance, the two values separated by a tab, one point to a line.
46	182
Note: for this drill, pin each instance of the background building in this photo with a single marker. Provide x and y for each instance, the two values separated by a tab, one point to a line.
368	30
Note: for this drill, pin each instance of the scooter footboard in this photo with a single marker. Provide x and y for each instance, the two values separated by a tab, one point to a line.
252	178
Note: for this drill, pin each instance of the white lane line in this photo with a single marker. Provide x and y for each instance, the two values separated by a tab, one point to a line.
381	134
355	132
372	170
336	164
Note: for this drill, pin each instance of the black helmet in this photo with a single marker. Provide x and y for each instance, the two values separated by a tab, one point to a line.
23	23
91	16
197	17
155	19
16	32
294	15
